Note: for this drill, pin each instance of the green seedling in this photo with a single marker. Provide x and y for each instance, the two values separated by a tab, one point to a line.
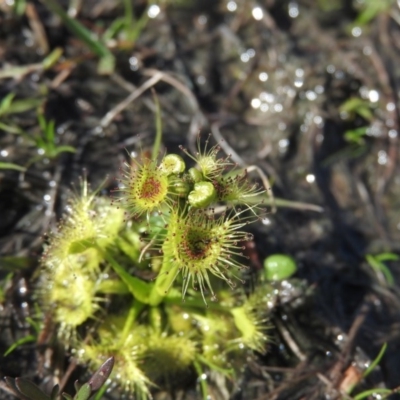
46	141
127	27
26	390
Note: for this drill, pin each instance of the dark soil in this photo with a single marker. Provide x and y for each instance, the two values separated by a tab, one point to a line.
275	89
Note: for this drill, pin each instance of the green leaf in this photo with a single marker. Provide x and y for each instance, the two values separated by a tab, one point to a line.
6	103
138	288
380	268
54	392
19	342
11	128
356	135
387	257
113	286
20	106
52	58
63	149
84	392
278	267
107	59
372	392
5	165
376	361
79	246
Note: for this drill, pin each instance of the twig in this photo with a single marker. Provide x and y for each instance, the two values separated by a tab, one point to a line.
106	120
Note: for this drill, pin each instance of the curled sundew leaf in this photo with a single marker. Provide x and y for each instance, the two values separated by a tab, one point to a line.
203	195
172	164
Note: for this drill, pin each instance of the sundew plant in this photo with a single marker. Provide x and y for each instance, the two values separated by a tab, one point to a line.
153	275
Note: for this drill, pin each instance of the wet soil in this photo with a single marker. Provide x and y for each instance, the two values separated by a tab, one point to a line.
287	85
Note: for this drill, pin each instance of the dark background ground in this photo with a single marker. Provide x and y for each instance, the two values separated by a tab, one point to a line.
317	56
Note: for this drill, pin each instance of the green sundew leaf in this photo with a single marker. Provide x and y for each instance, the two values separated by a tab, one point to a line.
138	288
34	324
67	396
24	340
163	283
30	390
372	392
16	167
79	246
113	286
84	392
203	382
229	372
129	248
